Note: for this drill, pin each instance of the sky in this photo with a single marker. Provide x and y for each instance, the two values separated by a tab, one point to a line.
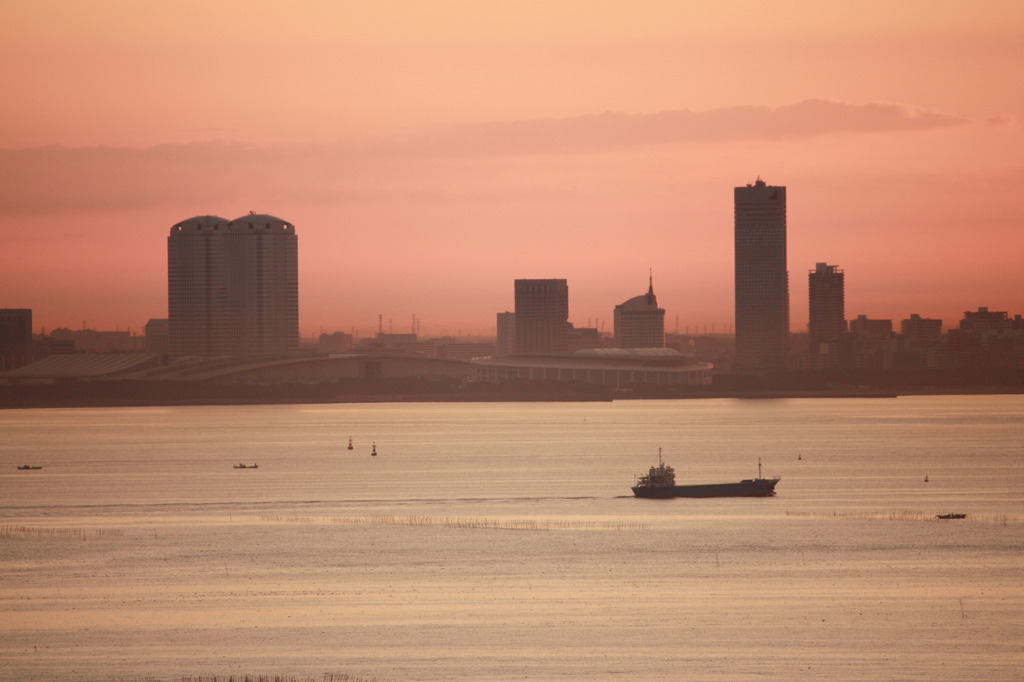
430	153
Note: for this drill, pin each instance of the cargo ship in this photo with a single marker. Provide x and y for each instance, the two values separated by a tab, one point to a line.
660	481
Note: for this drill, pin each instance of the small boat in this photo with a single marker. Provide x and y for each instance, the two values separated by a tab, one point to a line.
660	482
29	467
350	443
247	466
373	452
951	516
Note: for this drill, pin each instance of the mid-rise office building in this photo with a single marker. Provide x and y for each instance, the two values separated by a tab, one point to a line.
920	343
233	286
506	337
761	277
541	316
873	343
639	322
158	338
826	320
918	327
984	320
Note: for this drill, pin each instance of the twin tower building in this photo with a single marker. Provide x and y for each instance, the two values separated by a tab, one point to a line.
233	290
233	287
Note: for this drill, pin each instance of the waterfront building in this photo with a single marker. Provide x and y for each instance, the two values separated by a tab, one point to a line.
233	286
541	316
506	337
921	343
158	339
761	277
987	338
15	337
984	320
336	342
917	327
464	351
94	341
873	343
826	321
639	322
579	338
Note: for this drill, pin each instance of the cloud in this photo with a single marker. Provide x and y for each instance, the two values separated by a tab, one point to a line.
57	178
1003	120
582	134
207	175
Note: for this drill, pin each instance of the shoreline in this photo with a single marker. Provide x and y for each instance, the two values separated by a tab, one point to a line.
34	398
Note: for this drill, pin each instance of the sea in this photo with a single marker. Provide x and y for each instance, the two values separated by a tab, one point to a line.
501	541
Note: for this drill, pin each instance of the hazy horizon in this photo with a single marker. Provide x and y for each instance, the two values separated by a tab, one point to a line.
430	154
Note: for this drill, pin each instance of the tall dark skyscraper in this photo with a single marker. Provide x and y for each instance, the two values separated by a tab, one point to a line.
542	315
826	319
762	280
233	286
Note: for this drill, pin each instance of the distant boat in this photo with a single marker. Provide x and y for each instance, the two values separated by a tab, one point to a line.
29	467
350	443
951	516
660	482
373	452
247	466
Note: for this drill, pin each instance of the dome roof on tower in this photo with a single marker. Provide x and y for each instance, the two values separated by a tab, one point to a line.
260	221
199	223
646	301
641	302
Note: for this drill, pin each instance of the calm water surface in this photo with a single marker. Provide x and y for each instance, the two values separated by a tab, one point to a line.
501	541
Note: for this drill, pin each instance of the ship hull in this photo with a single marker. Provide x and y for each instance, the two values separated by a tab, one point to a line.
758	487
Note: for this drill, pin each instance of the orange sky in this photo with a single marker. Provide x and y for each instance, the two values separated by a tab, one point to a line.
431	152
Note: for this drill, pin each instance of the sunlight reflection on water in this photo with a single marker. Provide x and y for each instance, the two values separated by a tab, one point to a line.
209	576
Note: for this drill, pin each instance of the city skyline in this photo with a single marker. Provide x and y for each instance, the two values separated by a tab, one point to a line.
430	155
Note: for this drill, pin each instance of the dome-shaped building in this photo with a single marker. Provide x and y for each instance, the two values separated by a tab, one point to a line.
260	222
233	286
639	322
210	223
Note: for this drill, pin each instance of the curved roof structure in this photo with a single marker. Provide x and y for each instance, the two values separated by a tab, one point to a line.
254	221
251	222
200	223
646	301
625	354
80	365
606	366
641	302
